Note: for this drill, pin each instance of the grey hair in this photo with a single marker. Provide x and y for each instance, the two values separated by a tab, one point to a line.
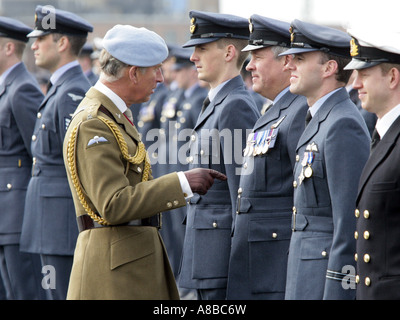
111	67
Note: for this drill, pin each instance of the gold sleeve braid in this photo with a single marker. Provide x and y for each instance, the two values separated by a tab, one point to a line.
140	156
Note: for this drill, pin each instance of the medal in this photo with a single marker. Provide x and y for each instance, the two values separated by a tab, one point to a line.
260	142
308	171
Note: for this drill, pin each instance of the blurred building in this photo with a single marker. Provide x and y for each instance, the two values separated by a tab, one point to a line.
169	18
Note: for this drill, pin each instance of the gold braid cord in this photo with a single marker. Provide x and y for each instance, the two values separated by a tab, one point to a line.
139	157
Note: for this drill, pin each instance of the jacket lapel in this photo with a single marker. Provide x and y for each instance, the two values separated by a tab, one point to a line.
117	114
230	86
321	115
380	153
275	111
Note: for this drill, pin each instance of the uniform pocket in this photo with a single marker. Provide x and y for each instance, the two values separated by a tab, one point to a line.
268	247
212	241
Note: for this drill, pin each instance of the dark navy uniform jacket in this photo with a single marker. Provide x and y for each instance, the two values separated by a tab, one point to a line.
335	145
50	222
260	243
209	218
20	97
378	218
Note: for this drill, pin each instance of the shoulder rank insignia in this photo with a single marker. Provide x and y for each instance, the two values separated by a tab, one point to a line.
75	97
97	140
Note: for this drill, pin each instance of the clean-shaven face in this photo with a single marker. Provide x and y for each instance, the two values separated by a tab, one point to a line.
373	91
306	73
209	60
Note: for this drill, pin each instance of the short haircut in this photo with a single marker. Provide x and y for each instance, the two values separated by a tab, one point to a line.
239	45
341	75
77	43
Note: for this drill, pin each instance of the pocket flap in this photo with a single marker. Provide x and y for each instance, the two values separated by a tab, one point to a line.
213	218
270	229
131	248
315	248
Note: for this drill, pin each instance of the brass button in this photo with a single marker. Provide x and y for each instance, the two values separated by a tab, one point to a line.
169	204
357	213
366	214
274	235
245	165
366	235
294	209
9	186
176	202
295	184
297	158
324	253
357	279
215	224
43	126
39	115
367	258
139	169
356	235
202	152
33	138
356	257
367	281
240	190
193	137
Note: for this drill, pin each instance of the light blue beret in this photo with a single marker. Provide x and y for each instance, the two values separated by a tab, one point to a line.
135	46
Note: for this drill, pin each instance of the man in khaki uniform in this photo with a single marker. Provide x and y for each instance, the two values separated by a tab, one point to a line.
119	253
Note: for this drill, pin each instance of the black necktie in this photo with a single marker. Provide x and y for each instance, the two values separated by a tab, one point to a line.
375	139
49	84
308	117
205	104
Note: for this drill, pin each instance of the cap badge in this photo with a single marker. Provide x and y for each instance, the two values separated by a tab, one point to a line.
251	26
353	48
291	34
36	18
192	25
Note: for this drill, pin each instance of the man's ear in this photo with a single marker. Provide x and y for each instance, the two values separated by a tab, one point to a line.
230	52
331	68
394	78
133	73
63	43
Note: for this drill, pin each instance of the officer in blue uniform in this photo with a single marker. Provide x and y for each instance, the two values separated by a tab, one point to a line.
376	61
330	156
20	97
217	141
257	268
49	226
173	231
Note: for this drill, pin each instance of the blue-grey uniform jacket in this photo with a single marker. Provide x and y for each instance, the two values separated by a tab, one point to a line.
20	97
49	225
331	154
220	134
262	229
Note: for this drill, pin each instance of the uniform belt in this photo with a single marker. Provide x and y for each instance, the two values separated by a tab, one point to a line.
85	222
48	171
15	161
311	223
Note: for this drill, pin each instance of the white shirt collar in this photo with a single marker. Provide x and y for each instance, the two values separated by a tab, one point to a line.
213	92
280	95
60	71
383	124
315	107
121	105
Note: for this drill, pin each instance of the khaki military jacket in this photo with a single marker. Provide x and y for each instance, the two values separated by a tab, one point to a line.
110	181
